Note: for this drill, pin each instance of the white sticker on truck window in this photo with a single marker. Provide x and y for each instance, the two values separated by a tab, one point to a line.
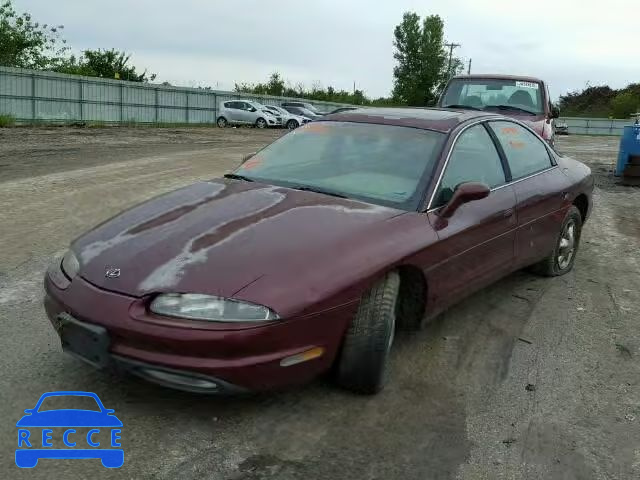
533	85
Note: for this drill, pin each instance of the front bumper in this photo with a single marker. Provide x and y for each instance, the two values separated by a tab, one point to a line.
236	359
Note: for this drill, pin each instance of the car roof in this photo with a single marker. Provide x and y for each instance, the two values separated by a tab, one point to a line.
438	119
498	76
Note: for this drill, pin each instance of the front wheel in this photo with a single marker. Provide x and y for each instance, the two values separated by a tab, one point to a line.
561	259
363	363
292	124
261	123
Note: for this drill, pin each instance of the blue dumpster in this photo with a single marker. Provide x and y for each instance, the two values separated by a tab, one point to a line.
629	156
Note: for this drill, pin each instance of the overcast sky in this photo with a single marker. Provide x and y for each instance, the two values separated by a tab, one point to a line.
336	42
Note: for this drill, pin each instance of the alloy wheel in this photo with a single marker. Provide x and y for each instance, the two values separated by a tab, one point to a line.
567	245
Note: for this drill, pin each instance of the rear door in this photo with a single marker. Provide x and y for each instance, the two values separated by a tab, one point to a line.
541	190
477	242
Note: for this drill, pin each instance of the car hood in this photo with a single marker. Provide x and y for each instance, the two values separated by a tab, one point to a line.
218	237
69	418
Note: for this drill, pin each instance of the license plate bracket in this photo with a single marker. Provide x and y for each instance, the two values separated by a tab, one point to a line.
85	341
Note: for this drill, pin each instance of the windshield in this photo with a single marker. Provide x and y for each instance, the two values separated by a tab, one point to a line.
381	164
487	94
310	107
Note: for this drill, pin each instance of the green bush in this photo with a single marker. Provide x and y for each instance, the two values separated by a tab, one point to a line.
7	120
625	104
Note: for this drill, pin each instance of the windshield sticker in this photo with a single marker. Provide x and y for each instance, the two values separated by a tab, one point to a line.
533	85
251	163
316	127
509	130
516	145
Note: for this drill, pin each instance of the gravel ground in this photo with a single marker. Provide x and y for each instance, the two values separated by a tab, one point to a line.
531	378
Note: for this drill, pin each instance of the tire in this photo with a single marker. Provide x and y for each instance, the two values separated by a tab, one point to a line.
222	122
292	124
261	123
561	259
363	361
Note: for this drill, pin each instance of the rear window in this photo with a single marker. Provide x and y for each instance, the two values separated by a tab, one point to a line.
383	164
486	93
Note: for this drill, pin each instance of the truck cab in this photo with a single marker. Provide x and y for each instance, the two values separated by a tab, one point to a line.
523	98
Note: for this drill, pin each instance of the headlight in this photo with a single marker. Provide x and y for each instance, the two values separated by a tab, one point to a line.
70	265
196	306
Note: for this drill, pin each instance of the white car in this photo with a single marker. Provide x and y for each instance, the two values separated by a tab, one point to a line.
289	120
243	112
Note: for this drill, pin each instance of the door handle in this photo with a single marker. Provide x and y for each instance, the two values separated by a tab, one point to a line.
508	213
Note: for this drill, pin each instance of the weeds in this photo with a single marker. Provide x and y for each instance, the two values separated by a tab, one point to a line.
7	120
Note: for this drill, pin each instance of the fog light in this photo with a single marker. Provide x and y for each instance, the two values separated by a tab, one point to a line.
302	357
177	379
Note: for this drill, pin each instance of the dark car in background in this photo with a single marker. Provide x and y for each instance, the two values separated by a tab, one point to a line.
523	98
342	109
306	105
302	112
308	257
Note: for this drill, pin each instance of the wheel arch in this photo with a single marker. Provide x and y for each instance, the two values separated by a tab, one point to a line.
582	204
412	296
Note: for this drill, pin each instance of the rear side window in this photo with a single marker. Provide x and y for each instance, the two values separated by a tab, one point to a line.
474	158
525	152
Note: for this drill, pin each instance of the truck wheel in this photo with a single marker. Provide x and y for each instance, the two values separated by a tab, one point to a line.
560	260
363	362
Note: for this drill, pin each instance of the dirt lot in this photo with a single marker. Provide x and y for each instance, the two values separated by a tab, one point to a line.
531	378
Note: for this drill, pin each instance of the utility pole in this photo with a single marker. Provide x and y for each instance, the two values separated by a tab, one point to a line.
469	69
451	47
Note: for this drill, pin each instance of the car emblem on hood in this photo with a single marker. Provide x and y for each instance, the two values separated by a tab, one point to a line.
112	272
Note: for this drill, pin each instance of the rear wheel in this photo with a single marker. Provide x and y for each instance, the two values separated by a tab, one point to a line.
292	124
363	362
561	260
261	123
222	122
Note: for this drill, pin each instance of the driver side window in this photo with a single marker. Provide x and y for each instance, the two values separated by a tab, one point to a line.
474	158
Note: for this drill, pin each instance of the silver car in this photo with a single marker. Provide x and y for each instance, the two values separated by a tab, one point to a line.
244	112
289	120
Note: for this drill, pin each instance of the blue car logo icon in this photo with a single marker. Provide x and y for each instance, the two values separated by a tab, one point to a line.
36	432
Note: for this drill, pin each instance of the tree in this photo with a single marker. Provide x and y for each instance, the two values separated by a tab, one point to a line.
422	61
105	64
25	43
625	104
275	85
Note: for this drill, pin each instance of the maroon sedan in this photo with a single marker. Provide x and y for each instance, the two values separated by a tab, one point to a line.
309	256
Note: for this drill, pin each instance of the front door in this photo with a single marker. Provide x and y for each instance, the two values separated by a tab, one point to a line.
477	242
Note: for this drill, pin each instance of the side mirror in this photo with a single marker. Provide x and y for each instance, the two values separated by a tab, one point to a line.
464	193
248	156
29	410
252	109
555	112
